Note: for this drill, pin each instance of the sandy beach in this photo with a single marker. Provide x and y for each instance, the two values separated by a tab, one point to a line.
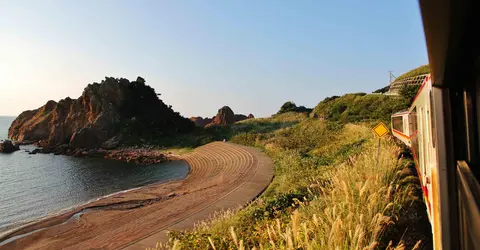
222	176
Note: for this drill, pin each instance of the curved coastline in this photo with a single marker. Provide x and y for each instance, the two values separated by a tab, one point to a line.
221	176
64	215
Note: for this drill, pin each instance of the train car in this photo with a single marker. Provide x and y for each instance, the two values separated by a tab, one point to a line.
400	128
415	128
444	123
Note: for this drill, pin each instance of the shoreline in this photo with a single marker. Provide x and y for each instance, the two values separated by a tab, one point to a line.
147	156
221	176
36	224
137	155
64	215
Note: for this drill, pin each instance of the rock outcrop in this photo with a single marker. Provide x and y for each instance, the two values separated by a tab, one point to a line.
8	147
201	122
138	156
224	117
85	138
250	116
112	142
104	110
239	117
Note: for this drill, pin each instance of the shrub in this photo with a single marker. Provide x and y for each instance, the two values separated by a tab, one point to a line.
247	139
287	107
292	107
382	90
409	92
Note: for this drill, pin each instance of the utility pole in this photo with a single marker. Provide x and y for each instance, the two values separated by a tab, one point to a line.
392	77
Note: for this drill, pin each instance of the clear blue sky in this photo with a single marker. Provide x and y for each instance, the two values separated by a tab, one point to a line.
201	55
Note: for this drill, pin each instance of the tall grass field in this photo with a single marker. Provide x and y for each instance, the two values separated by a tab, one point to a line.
333	189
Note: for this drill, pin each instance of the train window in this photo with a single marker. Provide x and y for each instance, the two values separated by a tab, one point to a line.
397	123
413	121
432	118
414	132
472	154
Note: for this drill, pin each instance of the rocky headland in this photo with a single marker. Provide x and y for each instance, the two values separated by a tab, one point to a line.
105	116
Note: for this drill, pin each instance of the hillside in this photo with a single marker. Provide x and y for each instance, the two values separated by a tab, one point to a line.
328	192
359	107
398	84
424	69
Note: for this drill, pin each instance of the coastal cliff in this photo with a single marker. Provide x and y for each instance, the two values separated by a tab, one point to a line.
102	116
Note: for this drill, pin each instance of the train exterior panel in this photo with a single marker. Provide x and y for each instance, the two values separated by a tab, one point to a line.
416	128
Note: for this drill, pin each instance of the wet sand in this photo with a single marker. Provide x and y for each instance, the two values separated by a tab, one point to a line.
222	176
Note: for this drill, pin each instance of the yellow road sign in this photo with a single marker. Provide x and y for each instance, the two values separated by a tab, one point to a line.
381	129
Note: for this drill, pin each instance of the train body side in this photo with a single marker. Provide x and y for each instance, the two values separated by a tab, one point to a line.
416	128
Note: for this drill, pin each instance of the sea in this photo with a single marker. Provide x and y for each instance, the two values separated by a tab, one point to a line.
36	186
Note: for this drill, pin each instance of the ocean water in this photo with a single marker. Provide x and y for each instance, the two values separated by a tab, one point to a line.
34	186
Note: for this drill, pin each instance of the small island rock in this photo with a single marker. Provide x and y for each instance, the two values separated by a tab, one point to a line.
8	147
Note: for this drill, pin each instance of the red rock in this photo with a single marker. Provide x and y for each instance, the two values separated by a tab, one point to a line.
201	122
94	117
84	138
224	117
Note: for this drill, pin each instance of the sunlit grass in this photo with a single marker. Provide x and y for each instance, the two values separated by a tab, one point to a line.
330	191
424	69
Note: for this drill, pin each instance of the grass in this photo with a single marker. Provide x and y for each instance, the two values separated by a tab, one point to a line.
424	69
359	107
329	191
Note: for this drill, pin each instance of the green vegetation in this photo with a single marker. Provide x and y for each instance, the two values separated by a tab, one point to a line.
409	92
382	90
292	107
328	191
143	115
359	107
424	69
